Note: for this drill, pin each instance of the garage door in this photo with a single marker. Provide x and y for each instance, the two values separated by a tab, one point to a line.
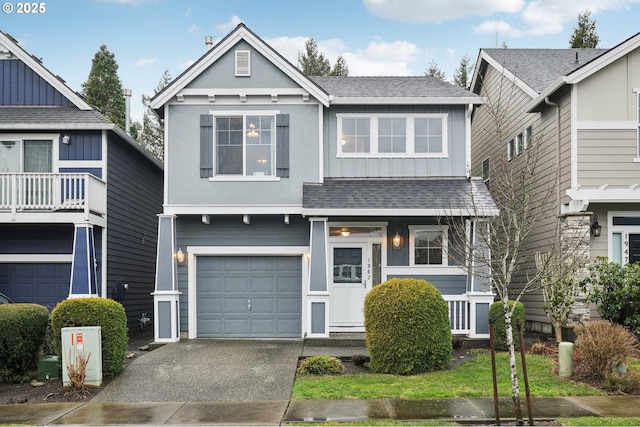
45	284
249	296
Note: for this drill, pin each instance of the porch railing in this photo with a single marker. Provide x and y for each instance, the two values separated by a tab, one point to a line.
25	192
459	308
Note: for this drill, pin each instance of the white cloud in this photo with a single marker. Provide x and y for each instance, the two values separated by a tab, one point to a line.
143	62
438	10
194	29
500	29
230	25
187	13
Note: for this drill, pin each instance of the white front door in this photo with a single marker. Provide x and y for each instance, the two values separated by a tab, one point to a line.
355	270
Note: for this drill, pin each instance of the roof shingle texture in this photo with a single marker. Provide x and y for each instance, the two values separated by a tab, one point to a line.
539	68
398	194
389	87
49	115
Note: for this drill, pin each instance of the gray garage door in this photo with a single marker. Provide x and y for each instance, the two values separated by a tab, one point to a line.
249	296
45	284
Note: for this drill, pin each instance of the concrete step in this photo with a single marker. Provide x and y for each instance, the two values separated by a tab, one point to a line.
338	339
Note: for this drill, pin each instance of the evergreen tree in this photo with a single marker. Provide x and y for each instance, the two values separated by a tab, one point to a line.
312	62
462	75
435	71
584	35
103	88
150	134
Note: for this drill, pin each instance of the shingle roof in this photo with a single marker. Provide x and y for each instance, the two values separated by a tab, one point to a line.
398	194
539	68
392	86
29	115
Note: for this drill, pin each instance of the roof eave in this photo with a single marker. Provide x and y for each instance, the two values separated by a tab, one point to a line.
355	100
533	106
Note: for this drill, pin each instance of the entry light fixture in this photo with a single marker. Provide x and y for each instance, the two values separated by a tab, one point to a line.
396	241
66	139
596	228
345	232
181	256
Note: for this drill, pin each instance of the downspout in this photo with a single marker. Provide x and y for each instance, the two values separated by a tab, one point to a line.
558	187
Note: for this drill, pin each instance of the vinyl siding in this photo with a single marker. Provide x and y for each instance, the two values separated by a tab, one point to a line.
20	85
606	157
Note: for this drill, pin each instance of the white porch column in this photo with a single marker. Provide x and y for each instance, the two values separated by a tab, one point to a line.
166	297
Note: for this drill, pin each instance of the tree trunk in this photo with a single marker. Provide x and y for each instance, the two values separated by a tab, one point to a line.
557	329
515	388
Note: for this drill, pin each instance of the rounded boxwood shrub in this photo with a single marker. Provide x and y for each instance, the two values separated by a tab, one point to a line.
407	327
22	333
496	313
106	313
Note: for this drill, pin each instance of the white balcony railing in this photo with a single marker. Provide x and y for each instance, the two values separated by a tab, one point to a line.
28	192
463	311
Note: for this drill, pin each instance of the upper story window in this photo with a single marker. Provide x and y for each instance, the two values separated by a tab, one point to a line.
486	171
245	145
392	135
25	154
527	137
519	144
511	148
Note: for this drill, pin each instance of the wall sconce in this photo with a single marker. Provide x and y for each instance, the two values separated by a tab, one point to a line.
596	228
181	256
66	139
396	241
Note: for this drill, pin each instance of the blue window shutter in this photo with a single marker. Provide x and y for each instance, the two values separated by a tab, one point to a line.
206	145
282	145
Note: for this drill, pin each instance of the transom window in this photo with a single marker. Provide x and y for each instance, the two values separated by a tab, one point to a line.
26	155
391	135
428	246
245	145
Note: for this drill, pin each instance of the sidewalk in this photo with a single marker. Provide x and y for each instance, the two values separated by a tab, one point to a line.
274	413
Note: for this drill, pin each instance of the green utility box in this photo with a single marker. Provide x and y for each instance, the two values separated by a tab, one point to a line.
48	368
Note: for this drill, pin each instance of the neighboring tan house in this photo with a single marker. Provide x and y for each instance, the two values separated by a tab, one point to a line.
287	198
581	108
78	197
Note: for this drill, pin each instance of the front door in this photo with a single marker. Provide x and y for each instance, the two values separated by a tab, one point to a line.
356	268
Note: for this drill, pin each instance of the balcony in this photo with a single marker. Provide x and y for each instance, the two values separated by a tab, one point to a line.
52	197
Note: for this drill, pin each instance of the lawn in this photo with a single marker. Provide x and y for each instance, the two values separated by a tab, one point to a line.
470	379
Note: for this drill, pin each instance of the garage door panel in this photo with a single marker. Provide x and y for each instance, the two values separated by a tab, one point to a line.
273	285
45	284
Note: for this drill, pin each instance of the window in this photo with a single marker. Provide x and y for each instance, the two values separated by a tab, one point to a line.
486	172
392	135
429	246
245	145
26	155
527	137
518	144
510	149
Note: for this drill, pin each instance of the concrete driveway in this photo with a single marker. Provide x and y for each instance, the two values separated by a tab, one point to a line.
209	370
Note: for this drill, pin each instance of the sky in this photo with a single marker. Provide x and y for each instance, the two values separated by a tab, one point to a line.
375	37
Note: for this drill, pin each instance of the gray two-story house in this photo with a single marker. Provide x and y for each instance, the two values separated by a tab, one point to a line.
288	197
580	110
78	196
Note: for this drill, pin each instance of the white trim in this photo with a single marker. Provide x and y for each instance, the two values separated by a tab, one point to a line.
166	173
605	195
232	210
212	93
400	212
242	55
468	113
574	136
606	125
244	178
362	100
82	164
307	319
49	77
195	251
623	229
425	270
36	258
320	145
21	137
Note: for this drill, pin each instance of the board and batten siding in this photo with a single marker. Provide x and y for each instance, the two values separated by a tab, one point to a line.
229	230
453	164
134	199
20	85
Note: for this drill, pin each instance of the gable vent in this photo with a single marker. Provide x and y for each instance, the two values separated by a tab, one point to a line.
243	63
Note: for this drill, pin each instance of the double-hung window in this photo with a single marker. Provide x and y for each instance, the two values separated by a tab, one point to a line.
428	245
392	135
245	144
19	154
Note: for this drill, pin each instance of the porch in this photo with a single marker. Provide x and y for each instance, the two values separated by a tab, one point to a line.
52	197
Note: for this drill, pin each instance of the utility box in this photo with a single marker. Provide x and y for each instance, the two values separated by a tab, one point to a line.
48	368
82	344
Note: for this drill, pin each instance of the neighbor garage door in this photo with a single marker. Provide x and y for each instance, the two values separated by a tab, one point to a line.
45	284
249	296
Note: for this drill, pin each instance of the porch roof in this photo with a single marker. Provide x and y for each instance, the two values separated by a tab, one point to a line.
398	197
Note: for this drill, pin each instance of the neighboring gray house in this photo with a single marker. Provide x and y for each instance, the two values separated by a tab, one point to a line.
78	197
581	107
287	198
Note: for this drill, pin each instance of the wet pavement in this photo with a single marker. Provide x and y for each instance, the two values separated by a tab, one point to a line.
227	382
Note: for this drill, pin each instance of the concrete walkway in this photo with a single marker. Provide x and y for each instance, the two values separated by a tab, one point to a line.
235	382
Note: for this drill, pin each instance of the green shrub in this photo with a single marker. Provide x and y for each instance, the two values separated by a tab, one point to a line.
22	334
496	314
407	327
622	383
321	365
103	312
603	346
616	291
